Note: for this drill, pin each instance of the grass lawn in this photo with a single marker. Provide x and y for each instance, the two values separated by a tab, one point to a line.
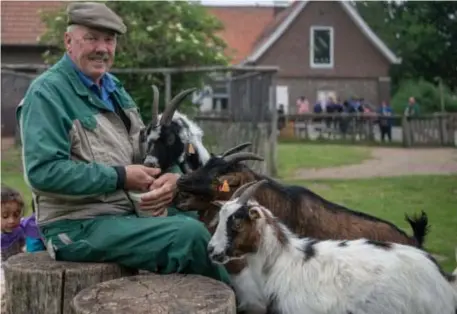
391	198
293	156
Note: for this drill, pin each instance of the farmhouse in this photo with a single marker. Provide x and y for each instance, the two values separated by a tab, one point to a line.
322	49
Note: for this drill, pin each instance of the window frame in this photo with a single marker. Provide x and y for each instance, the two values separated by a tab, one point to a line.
332	48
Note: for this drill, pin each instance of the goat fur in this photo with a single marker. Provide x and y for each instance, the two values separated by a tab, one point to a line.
311	276
166	144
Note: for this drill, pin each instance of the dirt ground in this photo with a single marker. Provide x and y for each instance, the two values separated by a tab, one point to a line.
388	162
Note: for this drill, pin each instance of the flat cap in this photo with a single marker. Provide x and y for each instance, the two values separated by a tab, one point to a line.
96	15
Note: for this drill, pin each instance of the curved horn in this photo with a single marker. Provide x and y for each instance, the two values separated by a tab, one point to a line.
155	105
170	109
236	149
241	189
237	157
249	191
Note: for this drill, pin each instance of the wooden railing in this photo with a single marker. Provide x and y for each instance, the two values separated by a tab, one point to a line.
425	130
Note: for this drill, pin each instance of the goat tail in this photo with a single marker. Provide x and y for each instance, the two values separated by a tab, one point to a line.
420	227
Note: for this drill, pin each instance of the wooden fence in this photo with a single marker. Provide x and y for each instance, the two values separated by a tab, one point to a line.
425	130
222	133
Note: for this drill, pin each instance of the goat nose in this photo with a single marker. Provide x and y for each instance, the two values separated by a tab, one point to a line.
218	257
150	164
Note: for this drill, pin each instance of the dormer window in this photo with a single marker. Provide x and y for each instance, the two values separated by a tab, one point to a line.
321	47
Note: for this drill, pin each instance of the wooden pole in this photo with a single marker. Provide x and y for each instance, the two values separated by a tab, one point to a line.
167	88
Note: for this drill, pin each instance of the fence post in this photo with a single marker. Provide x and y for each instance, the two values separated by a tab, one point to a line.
273	135
406	131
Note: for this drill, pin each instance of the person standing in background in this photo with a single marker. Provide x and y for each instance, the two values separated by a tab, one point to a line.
412	109
302	105
385	120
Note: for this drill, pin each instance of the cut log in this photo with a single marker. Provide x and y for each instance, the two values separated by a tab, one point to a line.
158	294
35	283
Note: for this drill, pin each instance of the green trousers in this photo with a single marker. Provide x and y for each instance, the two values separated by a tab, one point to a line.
173	244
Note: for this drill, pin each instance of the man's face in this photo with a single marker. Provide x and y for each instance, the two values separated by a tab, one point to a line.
92	50
412	100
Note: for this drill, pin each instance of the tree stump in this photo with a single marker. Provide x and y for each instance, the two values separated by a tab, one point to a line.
145	294
35	283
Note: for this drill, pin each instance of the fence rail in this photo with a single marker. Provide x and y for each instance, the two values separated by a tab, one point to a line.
425	130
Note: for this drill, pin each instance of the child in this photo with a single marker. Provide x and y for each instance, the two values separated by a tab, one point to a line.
15	229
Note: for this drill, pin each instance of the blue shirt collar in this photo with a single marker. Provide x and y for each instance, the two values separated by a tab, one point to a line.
107	82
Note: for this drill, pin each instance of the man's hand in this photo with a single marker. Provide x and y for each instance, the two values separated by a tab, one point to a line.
161	194
139	177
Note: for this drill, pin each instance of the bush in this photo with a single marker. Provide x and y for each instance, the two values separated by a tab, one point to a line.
159	34
427	95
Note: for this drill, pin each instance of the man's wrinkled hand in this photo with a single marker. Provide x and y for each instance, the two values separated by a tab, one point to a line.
161	194
139	177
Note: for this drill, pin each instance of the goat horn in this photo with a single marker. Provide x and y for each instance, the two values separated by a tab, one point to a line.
236	149
169	111
237	157
241	189
155	105
249	191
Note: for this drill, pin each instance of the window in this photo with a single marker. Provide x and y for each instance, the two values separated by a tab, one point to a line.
220	103
321	47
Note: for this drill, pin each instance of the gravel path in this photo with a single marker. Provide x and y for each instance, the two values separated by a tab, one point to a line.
388	162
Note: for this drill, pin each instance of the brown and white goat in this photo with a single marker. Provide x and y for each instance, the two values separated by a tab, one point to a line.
306	275
302	210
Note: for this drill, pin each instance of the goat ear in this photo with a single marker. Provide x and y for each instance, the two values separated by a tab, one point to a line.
218	203
254	213
232	180
190	149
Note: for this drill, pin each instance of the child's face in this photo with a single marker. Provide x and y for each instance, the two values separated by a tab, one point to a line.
11	215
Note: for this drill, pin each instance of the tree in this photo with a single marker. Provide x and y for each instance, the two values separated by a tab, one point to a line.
422	33
159	34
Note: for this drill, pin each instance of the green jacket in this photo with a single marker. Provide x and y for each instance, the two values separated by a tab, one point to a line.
412	110
72	146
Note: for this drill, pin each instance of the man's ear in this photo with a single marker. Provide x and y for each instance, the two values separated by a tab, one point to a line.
254	213
218	203
67	40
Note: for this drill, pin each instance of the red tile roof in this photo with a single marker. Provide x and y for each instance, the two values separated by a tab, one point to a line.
21	21
243	25
21	24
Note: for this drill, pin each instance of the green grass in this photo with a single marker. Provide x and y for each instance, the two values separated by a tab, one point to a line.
391	198
293	156
12	175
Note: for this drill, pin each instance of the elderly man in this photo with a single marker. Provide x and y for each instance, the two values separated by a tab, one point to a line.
80	132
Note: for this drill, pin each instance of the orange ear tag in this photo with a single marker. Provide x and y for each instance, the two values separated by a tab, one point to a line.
225	187
190	149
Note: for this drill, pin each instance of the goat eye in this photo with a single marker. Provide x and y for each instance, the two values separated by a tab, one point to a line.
236	224
171	139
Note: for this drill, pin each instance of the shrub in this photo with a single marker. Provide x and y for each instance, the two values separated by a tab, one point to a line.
427	95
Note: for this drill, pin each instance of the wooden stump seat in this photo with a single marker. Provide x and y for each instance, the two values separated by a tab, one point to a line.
37	284
158	294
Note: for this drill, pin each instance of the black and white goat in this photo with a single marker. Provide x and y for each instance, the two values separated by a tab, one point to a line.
329	276
172	138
